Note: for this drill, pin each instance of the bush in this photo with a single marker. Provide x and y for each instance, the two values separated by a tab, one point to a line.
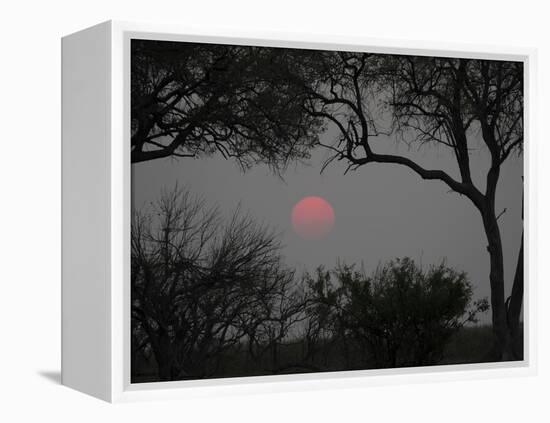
400	315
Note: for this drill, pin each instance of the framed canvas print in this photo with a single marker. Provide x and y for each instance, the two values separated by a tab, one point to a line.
260	212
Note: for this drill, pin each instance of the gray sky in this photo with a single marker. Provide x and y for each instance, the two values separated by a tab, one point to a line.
381	211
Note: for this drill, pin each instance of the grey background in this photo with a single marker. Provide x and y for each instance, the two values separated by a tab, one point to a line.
381	211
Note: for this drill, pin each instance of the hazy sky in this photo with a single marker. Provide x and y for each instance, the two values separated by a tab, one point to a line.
381	211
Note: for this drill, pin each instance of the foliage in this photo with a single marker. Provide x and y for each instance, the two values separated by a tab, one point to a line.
195	100
398	316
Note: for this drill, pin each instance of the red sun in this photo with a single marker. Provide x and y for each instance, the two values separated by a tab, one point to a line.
312	217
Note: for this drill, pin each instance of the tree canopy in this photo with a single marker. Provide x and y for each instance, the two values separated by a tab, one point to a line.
191	100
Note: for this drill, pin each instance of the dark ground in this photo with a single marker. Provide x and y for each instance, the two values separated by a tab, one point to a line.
470	345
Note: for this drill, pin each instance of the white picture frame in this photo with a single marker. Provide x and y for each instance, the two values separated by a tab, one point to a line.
96	216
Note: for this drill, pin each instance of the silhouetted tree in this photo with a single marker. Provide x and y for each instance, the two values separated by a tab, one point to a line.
191	100
398	316
196	279
433	101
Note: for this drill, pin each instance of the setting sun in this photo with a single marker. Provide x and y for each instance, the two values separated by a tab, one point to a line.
312	217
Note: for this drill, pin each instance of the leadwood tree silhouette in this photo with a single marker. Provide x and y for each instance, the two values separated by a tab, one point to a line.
430	101
200	285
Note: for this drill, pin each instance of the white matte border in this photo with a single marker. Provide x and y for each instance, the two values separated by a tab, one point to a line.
122	390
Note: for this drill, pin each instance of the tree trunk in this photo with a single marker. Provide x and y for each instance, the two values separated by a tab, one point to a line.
514	307
503	350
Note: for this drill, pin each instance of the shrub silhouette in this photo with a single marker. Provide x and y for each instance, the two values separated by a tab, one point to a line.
400	315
